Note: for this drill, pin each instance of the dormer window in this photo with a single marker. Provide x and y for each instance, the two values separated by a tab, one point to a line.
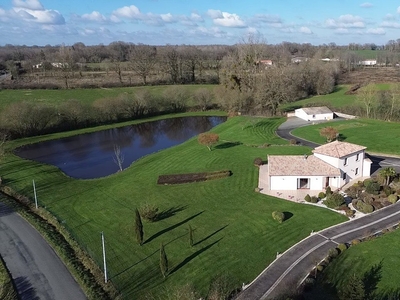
357	156
345	161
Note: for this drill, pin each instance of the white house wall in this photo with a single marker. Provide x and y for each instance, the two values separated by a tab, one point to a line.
333	161
285	183
317	117
367	168
351	166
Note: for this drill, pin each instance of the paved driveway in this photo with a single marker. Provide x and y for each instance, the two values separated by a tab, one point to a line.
37	271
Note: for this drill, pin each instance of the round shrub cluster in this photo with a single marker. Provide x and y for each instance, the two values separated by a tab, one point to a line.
314	199
258	161
392	198
321	195
278	216
334	200
307	198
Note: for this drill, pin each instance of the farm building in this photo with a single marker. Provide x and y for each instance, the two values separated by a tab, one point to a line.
333	164
314	113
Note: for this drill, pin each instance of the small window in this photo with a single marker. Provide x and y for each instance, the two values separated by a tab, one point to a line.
345	161
344	176
357	156
356	171
313	116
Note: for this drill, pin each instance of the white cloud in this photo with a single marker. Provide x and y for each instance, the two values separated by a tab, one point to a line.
196	17
28	4
376	31
130	12
390	17
226	19
168	18
305	30
390	24
346	21
342	31
366	5
398	10
40	16
94	16
265	18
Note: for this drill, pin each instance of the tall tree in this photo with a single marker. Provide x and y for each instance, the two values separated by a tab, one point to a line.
366	96
163	261
354	289
387	173
138	227
142	59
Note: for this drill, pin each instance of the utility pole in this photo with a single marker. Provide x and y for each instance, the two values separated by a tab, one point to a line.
34	192
104	257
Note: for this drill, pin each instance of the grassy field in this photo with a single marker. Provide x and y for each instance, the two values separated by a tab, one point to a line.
84	95
377	136
234	232
374	261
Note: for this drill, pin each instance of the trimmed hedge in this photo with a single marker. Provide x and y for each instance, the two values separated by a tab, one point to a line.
278	216
334	200
321	195
192	177
392	198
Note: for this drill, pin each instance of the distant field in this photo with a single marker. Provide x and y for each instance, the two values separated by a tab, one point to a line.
370	54
377	261
85	95
377	136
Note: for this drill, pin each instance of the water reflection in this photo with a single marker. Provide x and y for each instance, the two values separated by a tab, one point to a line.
91	155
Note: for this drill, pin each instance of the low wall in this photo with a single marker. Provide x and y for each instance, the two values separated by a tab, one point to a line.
346	116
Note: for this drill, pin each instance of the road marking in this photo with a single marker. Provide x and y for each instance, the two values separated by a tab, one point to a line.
329	239
319	245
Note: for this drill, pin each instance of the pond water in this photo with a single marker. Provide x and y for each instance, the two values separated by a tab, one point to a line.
93	155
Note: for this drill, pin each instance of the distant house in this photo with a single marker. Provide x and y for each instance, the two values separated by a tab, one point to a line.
266	62
299	59
368	62
333	164
314	113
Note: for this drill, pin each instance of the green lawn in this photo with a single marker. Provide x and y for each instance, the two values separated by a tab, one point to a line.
234	232
84	95
375	261
377	136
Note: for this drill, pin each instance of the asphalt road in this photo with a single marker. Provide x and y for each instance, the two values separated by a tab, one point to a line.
37	271
290	268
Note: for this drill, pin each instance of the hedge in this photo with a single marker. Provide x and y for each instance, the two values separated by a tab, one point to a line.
192	177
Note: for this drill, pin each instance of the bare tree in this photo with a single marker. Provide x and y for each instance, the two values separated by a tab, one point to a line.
366	96
142	59
118	157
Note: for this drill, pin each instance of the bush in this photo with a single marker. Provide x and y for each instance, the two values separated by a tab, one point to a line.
355	242
387	190
307	198
278	216
367	182
320	268
293	142
364	207
350	213
342	247
314	199
258	161
334	200
149	212
353	191
328	191
373	188
392	198
377	205
321	195
333	252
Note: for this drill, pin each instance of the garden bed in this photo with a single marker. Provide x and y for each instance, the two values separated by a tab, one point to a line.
192	177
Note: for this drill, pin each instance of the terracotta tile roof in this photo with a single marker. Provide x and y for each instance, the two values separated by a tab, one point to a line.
338	149
295	165
316	110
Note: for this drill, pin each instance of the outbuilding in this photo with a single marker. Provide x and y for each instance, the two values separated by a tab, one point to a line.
314	113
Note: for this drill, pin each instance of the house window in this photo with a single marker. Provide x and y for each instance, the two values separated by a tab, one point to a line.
357	156
313	116
356	171
344	176
345	161
303	183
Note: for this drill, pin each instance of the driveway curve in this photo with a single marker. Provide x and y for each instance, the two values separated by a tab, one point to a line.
37	271
292	266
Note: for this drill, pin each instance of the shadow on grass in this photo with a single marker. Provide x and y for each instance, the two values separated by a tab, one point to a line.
341	137
371	279
165	214
287	215
161	232
227	145
147	257
192	256
212	234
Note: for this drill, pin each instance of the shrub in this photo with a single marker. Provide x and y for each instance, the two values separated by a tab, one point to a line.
258	161
392	198
350	213
367	198
321	195
355	242
333	252
314	199
352	191
367	182
307	198
342	247
278	216
377	205
328	190
208	139
364	207
293	142
373	188
387	190
149	212
320	268
334	200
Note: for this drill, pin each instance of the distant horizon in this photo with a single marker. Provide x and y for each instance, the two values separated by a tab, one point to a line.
206	22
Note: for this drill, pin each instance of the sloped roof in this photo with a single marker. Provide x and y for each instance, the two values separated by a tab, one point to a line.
299	165
338	149
316	110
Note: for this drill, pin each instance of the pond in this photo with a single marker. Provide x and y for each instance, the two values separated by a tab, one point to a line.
94	155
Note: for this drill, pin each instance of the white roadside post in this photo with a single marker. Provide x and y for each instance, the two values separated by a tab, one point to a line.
34	192
104	257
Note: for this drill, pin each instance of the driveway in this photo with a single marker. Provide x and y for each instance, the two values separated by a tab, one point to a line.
37	271
289	269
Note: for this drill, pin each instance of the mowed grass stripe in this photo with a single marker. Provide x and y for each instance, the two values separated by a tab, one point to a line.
232	223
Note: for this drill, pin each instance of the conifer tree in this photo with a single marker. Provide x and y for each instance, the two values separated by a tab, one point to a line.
138	227
163	261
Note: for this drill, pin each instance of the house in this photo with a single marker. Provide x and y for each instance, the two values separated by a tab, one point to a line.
368	62
298	59
314	113
266	62
333	164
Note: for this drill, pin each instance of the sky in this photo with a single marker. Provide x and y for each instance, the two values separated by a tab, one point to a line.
197	22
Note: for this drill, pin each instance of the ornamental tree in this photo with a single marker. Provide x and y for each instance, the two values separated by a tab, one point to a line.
208	139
